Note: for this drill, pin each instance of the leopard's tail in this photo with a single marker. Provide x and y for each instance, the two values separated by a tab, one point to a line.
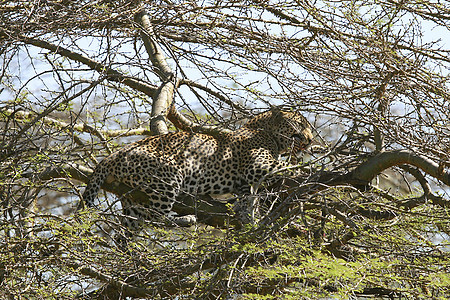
94	184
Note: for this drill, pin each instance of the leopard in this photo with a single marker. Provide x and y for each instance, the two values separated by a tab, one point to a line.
166	166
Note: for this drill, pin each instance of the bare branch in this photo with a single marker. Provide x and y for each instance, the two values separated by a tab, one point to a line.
164	97
216	94
382	161
111	74
53	122
154	51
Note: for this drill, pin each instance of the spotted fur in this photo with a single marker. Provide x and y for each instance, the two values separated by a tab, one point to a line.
183	162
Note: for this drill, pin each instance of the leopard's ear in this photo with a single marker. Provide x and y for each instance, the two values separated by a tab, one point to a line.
275	109
276	114
281	108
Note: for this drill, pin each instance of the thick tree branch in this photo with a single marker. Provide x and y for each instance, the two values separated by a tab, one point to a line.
382	161
362	175
160	108
154	51
163	99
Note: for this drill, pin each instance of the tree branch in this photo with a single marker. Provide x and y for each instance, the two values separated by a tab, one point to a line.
383	105
111	74
80	127
382	161
184	123
160	108
163	99
119	286
43	114
154	51
219	96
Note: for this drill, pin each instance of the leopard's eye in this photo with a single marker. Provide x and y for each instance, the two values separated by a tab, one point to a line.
298	136
301	138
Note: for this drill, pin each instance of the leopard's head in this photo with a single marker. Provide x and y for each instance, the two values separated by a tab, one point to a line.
290	129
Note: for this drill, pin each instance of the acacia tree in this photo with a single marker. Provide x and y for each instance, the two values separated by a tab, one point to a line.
367	215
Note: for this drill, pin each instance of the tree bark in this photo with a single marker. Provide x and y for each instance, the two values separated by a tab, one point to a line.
163	99
382	161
